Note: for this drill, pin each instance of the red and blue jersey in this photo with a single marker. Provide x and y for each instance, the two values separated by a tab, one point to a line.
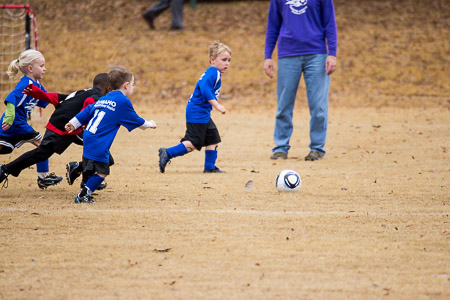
24	105
104	119
198	109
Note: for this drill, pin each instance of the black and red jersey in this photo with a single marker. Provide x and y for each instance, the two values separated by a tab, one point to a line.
66	106
69	105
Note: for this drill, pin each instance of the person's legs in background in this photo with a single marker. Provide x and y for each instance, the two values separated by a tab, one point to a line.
177	14
154	11
317	86
289	74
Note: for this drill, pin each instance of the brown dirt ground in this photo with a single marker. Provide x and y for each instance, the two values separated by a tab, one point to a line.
371	220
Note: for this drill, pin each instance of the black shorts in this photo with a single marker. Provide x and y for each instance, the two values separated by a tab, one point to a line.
11	142
93	166
202	134
58	143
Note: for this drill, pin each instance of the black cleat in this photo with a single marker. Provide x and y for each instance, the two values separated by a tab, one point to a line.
72	172
215	170
3	177
164	159
49	180
102	185
84	199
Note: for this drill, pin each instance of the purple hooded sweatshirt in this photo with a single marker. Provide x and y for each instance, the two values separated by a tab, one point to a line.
301	27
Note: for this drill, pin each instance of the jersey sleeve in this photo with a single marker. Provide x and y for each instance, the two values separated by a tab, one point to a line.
130	119
84	116
39	94
207	85
87	102
42	104
13	97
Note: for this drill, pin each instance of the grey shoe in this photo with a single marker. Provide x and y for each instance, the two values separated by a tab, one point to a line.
313	155
279	155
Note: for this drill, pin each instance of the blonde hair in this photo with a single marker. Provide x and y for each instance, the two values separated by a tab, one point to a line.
24	60
216	48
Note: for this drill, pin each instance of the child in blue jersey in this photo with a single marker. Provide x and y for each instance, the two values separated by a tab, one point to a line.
15	129
103	119
200	128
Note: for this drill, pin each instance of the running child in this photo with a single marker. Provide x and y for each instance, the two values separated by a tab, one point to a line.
15	129
200	128
56	138
103	120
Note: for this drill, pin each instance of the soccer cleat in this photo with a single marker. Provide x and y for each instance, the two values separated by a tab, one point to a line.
49	180
215	170
3	177
164	159
313	155
102	185
84	199
72	172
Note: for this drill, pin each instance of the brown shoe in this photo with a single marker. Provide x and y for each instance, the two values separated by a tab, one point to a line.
313	155
278	155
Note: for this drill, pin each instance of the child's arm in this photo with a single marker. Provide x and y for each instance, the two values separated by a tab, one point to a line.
218	106
37	93
82	118
148	124
87	102
10	115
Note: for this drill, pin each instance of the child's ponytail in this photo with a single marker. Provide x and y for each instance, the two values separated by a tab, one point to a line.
13	68
21	64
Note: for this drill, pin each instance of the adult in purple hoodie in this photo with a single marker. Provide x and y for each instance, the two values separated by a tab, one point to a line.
306	34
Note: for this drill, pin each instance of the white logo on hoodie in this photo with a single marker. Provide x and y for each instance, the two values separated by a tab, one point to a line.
297	7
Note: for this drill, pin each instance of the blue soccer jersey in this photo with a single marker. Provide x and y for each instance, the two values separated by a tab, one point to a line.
105	117
198	109
24	105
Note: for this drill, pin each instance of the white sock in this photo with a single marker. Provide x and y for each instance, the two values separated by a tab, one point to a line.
42	175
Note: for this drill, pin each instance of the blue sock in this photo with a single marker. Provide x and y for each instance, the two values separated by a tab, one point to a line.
210	159
178	150
93	182
42	167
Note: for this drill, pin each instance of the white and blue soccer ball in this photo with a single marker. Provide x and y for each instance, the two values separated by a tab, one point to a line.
288	181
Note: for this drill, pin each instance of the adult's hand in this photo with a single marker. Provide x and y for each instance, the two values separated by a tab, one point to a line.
268	67
330	64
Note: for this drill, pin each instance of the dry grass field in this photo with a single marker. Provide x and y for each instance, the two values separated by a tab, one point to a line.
371	220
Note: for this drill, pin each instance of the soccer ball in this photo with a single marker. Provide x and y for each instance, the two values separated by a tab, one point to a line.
288	181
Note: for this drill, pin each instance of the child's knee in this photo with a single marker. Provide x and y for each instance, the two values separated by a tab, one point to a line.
5	150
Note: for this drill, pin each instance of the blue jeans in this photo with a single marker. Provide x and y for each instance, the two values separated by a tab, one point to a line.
317	83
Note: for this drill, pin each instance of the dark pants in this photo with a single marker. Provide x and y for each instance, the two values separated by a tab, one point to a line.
176	7
51	143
